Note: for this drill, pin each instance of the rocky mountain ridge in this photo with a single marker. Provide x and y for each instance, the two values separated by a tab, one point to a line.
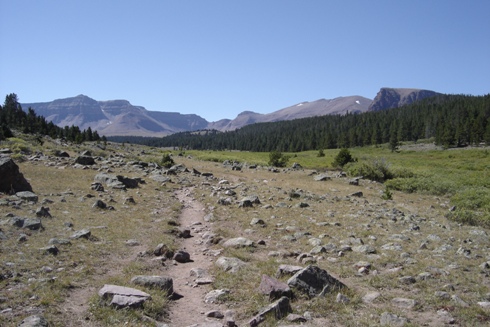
120	117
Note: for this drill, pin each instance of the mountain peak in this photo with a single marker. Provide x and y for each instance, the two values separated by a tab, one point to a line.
388	98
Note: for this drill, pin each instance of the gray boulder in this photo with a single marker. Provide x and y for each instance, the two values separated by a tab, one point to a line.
11	179
314	281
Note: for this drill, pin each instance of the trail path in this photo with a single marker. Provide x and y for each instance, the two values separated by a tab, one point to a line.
189	307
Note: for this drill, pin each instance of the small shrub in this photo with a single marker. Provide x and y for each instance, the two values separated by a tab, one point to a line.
343	158
321	153
387	195
167	160
375	170
277	159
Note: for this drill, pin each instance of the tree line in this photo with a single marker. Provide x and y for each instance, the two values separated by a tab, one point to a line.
451	120
12	116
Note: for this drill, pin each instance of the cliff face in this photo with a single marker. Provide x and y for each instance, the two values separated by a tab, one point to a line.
388	98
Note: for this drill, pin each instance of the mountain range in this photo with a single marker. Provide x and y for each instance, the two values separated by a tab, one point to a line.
121	118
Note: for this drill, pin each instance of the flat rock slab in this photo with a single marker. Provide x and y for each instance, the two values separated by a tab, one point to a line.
34	321
27	195
239	242
314	281
122	296
216	296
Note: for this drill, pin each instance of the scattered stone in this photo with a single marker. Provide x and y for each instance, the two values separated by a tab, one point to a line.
322	178
85	160
238	242
370	297
132	242
182	256
214	314
278	310
159	282
163	250
27	196
216	296
314	281
407	280
84	233
99	204
287	270
295	318
34	321
43	212
258	221
232	265
341	298
50	250
357	194
389	319
274	288
32	224
456	299
366	249
404	303
59	241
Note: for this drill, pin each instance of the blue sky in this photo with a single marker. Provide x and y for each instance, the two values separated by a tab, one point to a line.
217	58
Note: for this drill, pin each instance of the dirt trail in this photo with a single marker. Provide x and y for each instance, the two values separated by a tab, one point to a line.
189	308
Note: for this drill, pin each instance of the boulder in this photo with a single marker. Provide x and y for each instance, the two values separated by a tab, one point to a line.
314	281
11	179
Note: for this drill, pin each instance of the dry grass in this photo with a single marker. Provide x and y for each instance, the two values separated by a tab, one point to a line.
333	216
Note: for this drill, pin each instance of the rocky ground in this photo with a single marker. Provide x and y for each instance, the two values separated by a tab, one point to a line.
223	244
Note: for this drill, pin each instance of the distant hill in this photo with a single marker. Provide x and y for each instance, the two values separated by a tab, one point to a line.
121	118
115	117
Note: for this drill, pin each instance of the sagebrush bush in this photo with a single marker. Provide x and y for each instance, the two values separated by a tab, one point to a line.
375	170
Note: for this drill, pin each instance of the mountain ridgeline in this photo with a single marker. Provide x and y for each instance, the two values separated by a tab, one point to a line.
451	120
120	117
